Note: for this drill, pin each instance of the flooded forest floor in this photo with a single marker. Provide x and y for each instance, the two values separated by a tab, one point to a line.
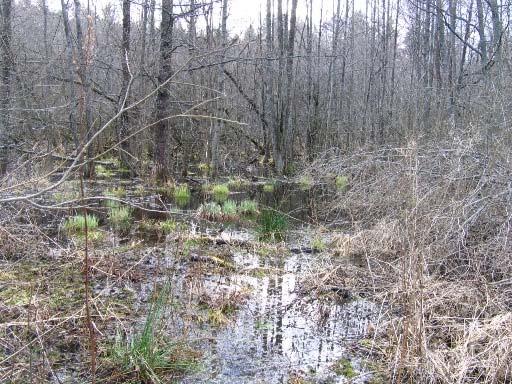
386	266
230	282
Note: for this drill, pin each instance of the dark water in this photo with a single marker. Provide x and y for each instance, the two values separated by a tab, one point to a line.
279	330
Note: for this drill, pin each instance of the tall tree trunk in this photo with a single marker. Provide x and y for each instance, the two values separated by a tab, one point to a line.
124	122
282	132
70	73
84	56
218	125
7	69
144	33
482	44
268	78
161	128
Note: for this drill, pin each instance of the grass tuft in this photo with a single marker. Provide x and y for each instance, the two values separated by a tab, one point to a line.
341	183
148	355
220	192
272	225
229	209
181	195
76	224
210	211
248	207
120	218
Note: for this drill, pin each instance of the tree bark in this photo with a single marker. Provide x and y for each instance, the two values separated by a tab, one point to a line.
124	122
218	125
7	69
161	128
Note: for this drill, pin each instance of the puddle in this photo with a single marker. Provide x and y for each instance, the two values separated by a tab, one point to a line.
277	331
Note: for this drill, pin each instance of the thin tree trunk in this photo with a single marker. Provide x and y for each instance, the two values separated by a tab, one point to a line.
268	78
481	32
218	125
7	69
123	127
70	73
161	128
85	108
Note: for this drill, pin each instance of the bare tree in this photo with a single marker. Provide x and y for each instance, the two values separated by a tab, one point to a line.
162	126
7	69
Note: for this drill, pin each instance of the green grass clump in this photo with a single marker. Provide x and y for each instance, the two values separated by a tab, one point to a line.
204	168
167	226
210	211
268	187
343	367
182	195
237	183
148	355
341	183
61	197
76	224
102	171
220	192
272	225
120	218
229	209
118	192
306	182
248	207
318	244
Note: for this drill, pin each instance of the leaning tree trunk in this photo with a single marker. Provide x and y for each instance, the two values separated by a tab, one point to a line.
162	126
7	69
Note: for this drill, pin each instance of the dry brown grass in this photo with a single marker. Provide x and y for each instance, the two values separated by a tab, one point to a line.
432	224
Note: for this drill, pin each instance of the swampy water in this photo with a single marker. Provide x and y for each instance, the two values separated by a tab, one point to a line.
250	307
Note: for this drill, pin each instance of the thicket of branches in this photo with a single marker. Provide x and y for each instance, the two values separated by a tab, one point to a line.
346	77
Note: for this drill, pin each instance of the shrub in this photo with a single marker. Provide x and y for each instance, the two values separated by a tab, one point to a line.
220	192
272	225
248	207
120	218
182	195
